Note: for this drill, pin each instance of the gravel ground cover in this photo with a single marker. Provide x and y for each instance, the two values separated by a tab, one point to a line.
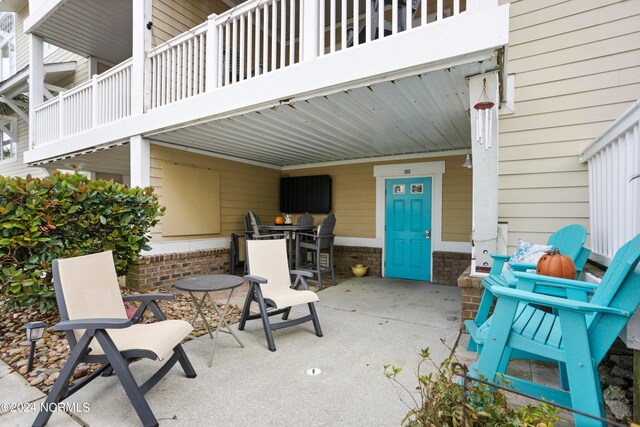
52	350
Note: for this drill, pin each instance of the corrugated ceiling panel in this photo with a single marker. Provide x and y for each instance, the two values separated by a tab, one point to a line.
417	114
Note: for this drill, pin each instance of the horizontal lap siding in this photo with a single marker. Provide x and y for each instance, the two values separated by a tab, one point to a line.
172	18
577	66
19	168
354	197
243	187
22	39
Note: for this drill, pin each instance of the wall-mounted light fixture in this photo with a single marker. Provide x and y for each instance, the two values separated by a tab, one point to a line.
467	162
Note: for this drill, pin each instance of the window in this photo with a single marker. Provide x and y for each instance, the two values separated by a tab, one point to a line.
8	138
7	45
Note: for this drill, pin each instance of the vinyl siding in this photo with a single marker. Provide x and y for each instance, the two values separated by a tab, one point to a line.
22	40
243	187
172	18
577	66
81	74
246	187
354	197
19	168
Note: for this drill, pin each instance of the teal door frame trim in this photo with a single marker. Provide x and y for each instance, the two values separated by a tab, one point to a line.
408	228
433	170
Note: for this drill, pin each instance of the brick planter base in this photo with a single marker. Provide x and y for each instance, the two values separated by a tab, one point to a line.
472	291
347	256
162	271
448	266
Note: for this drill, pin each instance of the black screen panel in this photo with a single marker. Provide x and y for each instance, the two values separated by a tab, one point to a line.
305	194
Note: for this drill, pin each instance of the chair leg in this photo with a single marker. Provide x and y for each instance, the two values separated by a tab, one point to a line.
187	367
494	349
564	380
333	275
121	367
314	319
319	269
57	392
247	306
582	373
481	316
265	320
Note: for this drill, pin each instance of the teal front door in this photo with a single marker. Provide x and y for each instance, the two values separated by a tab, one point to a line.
408	228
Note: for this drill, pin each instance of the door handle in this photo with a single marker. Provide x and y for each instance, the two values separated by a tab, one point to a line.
427	234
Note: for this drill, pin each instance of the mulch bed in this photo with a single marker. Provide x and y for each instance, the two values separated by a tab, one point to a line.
52	350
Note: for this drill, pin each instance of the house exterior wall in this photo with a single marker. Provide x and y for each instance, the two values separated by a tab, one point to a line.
577	68
246	187
22	40
18	167
354	197
243	187
172	18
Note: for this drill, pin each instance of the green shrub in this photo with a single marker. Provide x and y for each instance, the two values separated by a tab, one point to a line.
438	401
67	215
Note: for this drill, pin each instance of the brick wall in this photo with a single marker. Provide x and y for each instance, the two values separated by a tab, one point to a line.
472	291
162	271
344	257
448	266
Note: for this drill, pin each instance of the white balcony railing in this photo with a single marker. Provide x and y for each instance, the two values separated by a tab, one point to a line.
178	67
614	194
255	38
104	99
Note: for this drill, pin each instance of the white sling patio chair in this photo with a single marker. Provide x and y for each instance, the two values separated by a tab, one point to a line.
270	286
98	331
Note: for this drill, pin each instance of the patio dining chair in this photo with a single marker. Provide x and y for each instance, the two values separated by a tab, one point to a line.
98	330
248	225
572	332
270	286
305	219
256	234
569	240
317	243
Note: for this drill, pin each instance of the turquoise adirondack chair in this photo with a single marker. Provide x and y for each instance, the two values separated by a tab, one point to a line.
576	334
569	240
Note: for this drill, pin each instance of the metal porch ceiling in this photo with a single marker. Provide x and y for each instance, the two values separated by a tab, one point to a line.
91	27
424	113
109	159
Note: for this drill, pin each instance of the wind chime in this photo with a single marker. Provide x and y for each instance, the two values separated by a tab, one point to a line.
484	117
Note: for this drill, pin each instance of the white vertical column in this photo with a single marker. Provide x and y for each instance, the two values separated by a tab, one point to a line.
36	83
140	67
485	177
140	161
310	30
212	50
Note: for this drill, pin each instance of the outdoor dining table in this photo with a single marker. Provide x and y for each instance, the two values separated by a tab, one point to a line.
211	283
290	229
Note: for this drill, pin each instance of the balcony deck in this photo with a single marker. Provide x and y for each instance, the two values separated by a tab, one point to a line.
311	97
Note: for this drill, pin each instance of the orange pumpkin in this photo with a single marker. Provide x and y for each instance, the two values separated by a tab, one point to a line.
557	265
279	220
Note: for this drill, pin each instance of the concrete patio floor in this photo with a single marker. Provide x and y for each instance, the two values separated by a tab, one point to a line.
367	323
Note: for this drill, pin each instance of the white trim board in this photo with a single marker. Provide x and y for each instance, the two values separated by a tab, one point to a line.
178	246
416	156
